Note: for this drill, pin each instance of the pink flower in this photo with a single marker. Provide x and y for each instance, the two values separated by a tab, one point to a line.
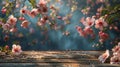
116	55
42	21
16	49
24	10
4	10
104	56
115	60
42	3
100	24
21	18
34	12
7	47
43	8
103	36
25	24
88	30
12	20
100	9
14	29
80	31
86	10
116	48
6	38
6	26
88	21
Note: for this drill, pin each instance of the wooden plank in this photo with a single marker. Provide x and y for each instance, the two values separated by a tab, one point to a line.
53	58
55	65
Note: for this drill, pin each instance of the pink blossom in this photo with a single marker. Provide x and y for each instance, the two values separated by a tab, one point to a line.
16	49
6	26
88	21
24	10
6	38
43	8
88	30
100	24
7	47
12	20
13	29
80	31
116	55
86	10
42	21
116	48
42	2
33	12
25	24
21	18
4	10
103	36
115	60
104	56
100	9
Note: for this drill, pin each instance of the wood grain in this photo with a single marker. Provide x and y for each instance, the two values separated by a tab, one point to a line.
54	59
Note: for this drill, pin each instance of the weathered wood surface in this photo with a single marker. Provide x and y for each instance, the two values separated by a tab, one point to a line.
54	59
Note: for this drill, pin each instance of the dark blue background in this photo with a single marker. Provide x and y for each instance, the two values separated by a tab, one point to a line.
56	40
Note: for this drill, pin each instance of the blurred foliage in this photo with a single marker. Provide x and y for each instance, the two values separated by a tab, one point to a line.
112	12
5	49
33	3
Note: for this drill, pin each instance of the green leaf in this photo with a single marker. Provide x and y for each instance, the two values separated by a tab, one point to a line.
33	3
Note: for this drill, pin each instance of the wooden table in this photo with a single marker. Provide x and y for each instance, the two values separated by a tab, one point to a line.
54	59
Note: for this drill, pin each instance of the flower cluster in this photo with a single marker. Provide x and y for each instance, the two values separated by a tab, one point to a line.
16	49
115	59
88	23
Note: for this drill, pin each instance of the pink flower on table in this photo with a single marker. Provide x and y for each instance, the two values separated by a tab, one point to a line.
12	20
88	21
100	24
115	60
116	48
16	49
25	24
116	55
104	56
